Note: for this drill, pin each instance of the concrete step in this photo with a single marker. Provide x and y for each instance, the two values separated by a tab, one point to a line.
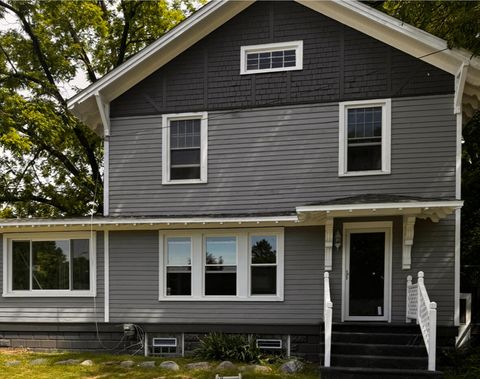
377	338
379	349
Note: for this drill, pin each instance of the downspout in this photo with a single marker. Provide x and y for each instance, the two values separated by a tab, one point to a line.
460	79
104	110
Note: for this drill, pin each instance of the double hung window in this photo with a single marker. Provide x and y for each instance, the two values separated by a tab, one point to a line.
365	137
184	153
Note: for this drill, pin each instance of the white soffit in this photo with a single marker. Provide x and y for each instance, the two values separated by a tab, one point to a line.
361	17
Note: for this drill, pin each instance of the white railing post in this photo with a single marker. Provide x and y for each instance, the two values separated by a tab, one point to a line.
409	284
432	351
327	319
420	283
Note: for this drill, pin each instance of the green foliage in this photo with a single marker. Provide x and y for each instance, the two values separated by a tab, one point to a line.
233	347
50	163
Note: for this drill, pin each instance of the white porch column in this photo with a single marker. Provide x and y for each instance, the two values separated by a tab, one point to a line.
328	243
408	232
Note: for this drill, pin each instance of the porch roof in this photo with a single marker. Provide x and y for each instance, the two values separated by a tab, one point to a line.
379	205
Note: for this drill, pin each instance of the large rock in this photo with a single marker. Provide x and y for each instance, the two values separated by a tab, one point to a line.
169	365
38	361
225	365
12	363
198	366
87	362
127	364
147	364
291	367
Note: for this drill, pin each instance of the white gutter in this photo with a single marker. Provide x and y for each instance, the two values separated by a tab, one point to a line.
149	221
104	110
347	207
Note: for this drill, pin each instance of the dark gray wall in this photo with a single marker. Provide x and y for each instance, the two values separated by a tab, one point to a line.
55	309
273	159
433	252
134	275
340	63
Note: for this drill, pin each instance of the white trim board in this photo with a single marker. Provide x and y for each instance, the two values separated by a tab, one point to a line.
367	227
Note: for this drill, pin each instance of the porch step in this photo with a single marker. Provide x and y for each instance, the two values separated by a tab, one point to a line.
379	361
380	349
376	373
377	338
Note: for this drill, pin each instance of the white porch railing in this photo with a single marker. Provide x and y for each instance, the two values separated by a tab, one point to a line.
420	308
327	319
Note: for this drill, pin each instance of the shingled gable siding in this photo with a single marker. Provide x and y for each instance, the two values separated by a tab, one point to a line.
56	309
273	159
433	253
339	64
134	273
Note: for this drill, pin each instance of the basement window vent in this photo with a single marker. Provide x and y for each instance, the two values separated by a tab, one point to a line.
164	342
164	346
269	344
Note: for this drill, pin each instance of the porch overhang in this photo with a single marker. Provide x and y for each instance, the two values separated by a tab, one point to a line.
433	210
409	208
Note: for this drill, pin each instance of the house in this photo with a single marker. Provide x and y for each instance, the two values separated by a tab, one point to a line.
249	151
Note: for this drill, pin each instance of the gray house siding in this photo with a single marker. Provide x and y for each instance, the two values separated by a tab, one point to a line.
55	309
134	275
433	253
273	159
339	63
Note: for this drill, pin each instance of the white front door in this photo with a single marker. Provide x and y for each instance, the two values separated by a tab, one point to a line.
367	256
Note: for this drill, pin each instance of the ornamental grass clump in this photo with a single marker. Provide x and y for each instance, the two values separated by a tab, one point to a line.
232	347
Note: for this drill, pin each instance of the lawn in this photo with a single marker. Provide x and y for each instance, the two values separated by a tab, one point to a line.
107	366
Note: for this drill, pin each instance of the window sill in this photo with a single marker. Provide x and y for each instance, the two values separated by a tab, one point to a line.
52	293
222	298
270	70
364	173
188	181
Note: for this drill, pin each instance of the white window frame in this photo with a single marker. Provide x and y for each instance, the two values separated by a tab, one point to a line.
292	45
7	264
166	118
166	265
260	233
198	238
386	105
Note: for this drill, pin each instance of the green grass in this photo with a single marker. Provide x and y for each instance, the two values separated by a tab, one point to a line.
100	370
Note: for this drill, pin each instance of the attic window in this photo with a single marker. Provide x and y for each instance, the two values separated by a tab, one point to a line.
273	57
184	152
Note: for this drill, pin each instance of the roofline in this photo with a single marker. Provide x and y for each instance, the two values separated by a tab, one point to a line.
367	206
363	18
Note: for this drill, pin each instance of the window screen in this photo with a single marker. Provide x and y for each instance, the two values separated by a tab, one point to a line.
185	149
364	139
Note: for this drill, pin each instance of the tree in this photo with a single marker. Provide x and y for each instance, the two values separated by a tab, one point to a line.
50	162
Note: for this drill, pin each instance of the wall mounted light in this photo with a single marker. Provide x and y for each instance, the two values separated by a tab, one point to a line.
338	240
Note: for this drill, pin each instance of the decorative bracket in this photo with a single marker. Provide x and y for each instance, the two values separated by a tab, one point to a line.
328	243
408	232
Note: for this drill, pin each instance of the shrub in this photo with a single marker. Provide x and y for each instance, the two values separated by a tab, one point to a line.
234	347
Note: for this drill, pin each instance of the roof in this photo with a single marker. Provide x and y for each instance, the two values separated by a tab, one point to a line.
379	198
91	104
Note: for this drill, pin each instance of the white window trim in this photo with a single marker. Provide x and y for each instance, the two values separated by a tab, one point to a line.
386	105
243	264
291	45
7	266
166	118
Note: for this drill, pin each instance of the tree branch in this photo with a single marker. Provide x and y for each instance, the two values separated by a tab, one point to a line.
83	54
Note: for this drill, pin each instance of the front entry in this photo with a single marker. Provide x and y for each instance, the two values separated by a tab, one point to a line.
367	271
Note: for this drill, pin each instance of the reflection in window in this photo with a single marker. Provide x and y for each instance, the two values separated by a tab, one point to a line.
179	266
221	266
51	265
263	265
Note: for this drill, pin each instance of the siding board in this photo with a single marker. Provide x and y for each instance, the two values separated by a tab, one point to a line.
253	161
